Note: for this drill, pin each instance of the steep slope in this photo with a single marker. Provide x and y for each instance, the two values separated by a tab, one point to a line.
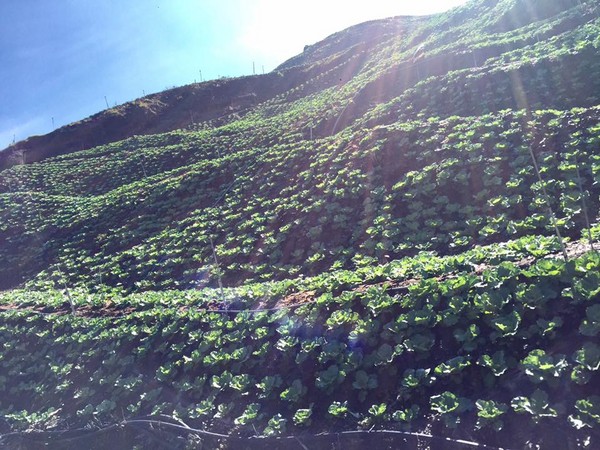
333	61
392	230
177	108
216	101
297	164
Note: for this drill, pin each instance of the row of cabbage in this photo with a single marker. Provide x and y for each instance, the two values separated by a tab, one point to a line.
510	344
442	185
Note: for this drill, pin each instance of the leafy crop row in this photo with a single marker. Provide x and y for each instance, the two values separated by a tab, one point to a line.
366	356
429	185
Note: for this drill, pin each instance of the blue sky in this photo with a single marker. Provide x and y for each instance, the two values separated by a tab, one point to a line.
59	59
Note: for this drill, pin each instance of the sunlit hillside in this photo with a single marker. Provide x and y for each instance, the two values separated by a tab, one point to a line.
388	241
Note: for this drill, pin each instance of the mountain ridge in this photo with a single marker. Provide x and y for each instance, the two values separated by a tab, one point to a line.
206	101
184	106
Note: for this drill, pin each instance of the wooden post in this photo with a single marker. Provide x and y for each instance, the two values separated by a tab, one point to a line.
220	281
143	167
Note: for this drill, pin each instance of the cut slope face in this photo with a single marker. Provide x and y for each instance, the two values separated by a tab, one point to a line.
394	193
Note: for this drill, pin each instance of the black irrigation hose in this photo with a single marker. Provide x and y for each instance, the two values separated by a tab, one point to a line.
218	311
56	436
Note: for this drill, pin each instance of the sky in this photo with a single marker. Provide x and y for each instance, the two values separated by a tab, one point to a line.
64	60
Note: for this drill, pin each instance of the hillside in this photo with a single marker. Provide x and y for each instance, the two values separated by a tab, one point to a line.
389	240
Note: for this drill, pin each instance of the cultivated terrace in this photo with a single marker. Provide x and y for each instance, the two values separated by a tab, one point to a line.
389	241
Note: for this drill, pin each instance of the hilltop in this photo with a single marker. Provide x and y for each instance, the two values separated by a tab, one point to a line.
216	101
394	230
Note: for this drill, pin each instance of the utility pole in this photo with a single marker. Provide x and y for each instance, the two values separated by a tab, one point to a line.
53	123
200	76
106	100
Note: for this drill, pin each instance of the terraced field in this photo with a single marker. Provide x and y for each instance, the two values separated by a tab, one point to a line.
397	249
